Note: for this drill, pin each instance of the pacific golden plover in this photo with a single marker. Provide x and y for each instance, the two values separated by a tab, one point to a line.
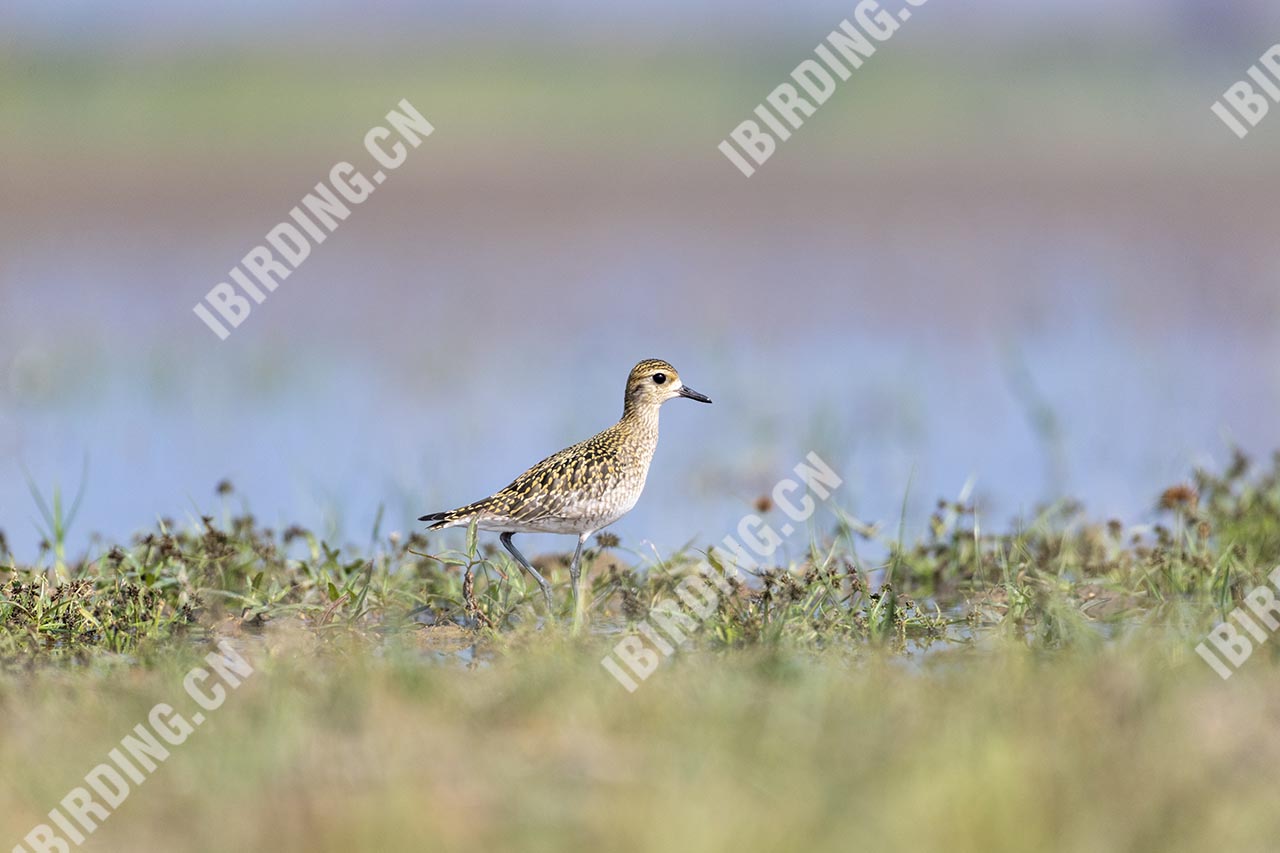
583	488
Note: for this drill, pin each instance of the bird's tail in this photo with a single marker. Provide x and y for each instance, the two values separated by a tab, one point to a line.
455	517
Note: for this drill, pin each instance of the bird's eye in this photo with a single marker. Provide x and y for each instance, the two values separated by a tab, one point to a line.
659	378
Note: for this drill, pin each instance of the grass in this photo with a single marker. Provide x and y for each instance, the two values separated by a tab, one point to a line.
1032	689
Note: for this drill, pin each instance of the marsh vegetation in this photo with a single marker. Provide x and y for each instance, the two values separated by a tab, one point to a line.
1021	689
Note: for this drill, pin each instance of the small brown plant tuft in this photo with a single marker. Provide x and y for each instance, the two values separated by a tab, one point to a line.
1180	498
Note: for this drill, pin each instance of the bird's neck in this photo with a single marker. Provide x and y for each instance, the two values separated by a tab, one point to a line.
641	421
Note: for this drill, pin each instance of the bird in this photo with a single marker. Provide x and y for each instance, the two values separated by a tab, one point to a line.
583	488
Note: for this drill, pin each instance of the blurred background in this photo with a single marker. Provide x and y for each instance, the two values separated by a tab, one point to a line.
1016	250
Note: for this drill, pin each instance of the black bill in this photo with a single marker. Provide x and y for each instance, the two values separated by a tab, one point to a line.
686	391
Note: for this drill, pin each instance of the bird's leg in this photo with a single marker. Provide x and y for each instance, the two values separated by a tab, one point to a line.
528	567
574	573
573	566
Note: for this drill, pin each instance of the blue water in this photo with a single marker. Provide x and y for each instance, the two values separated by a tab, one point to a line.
416	370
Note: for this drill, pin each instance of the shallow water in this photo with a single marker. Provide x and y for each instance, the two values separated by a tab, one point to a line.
1027	349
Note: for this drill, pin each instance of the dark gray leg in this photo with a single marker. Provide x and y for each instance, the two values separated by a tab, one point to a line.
574	571
579	604
528	567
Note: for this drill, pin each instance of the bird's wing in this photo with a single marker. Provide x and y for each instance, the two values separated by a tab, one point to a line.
552	488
